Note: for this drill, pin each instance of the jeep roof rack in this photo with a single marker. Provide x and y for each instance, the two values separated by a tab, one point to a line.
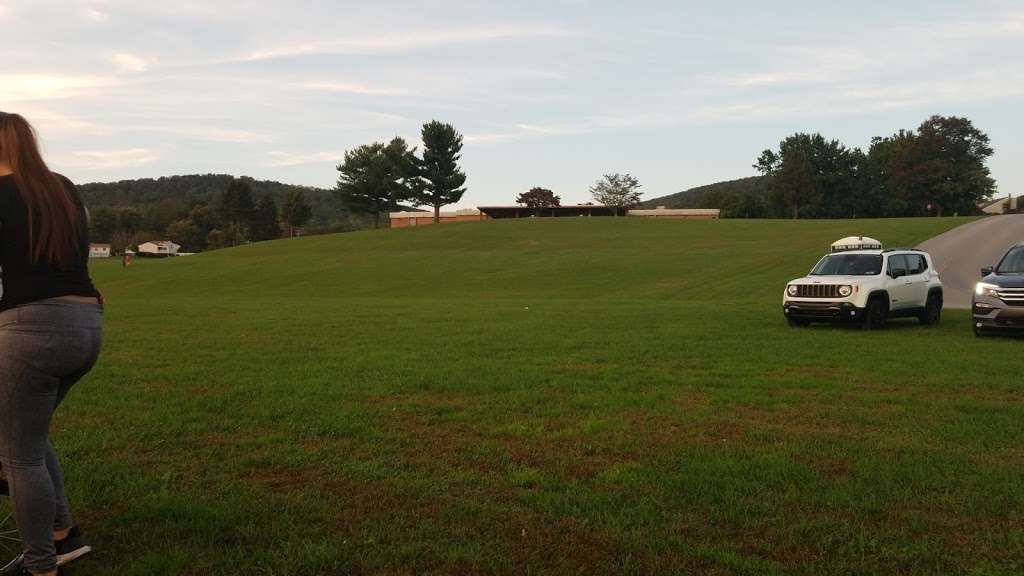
855	243
898	249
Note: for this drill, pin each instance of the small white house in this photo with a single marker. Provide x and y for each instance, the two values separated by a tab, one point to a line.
99	250
159	248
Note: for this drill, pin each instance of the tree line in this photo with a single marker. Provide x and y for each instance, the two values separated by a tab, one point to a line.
190	210
233	218
937	170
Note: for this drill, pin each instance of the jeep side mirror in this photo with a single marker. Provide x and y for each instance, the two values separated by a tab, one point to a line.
898	273
986	270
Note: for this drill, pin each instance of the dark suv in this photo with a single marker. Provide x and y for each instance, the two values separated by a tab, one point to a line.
998	302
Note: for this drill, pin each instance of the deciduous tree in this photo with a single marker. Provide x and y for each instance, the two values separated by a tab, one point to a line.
951	155
617	191
102	223
832	168
538	199
294	211
187	234
794	186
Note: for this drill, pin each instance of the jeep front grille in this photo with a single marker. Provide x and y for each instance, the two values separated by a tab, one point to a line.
817	291
1012	296
822	309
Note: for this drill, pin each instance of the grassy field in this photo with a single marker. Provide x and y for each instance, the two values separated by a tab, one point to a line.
537	397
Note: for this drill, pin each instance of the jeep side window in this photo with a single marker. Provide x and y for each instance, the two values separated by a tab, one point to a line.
915	264
897	262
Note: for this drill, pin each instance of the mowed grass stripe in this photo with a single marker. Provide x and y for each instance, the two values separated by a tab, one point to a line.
544	396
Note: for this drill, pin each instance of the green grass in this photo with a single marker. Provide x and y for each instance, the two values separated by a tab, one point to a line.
537	397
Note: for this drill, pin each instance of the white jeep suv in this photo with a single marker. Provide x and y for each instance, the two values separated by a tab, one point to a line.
862	283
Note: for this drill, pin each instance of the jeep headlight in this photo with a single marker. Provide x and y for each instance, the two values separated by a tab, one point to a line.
792	290
845	291
986	289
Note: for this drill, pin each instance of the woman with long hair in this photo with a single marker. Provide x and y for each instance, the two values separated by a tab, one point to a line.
49	338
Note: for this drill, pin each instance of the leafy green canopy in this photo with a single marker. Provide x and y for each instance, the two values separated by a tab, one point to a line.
538	198
617	191
295	211
940	169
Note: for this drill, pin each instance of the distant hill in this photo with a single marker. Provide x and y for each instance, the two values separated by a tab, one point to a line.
166	199
743	198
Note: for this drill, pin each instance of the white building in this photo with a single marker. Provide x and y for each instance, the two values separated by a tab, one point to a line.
678	213
99	250
159	248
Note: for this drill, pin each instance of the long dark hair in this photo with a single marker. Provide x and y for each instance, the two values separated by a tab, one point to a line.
54	221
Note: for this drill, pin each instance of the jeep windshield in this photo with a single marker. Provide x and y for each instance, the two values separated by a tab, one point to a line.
1013	262
849	265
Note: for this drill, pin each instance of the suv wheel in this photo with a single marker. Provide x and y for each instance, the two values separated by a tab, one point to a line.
932	312
875	314
978	332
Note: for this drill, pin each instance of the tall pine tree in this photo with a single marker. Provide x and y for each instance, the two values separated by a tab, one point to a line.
236	209
441	178
264	223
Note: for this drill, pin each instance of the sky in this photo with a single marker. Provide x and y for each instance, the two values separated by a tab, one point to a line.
551	93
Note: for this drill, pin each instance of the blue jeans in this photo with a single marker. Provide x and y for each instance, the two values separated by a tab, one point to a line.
45	347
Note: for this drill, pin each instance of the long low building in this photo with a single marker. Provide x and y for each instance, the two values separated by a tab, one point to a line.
407	219
576	210
679	213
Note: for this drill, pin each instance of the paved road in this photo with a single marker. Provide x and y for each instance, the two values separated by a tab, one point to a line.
960	253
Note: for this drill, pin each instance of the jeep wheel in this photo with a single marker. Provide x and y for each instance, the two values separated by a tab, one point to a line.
875	314
797	323
932	312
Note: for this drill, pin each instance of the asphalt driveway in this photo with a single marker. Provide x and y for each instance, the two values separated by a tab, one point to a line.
960	253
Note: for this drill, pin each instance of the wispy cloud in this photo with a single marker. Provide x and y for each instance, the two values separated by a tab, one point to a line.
760	79
280	159
94	15
49	122
352	88
520	131
413	40
107	159
41	86
129	63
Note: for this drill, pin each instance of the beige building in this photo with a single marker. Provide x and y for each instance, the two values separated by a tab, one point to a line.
678	213
407	219
159	248
1007	205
